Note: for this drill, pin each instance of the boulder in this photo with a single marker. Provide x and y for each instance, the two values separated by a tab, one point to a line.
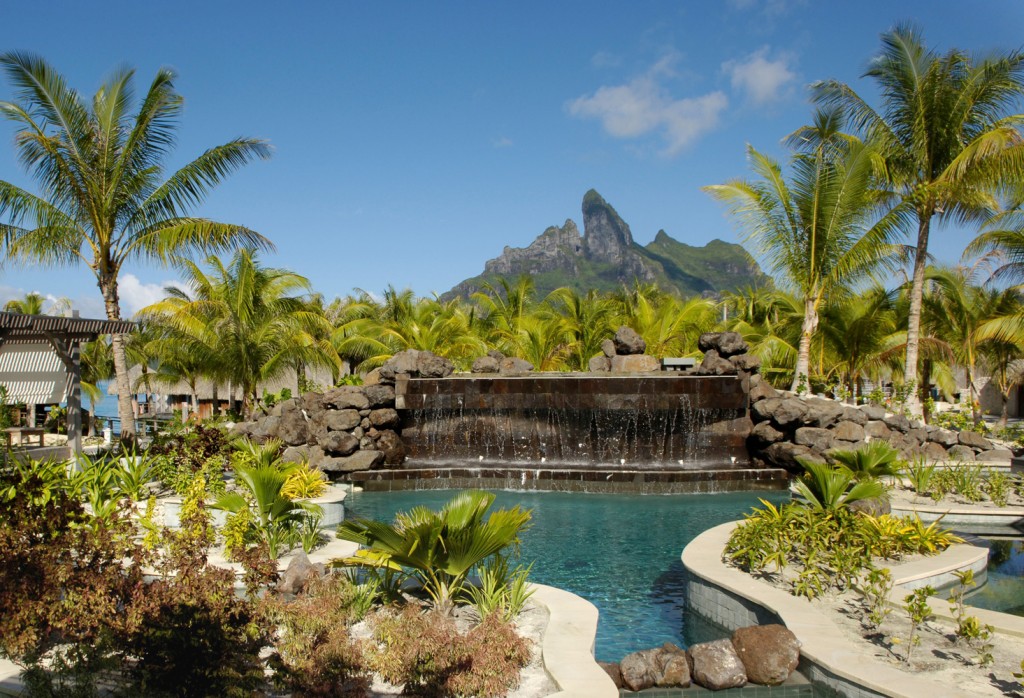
312	402
675	670
813	437
762	390
295	454
339	443
764	433
599	364
945	437
714	365
732	344
975	440
848	431
789	413
298	574
341	420
897	422
496	355
390	444
960	452
485	364
708	341
384	417
379	395
372	378
995	455
346	397
628	342
716	665
784	455
873	411
430	365
746	362
608	348
769	653
877	430
822	413
360	460
933	451
876	506
404	362
513	365
635	363
640	670
292	429
853	414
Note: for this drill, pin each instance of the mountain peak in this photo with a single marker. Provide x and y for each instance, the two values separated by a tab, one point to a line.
606	258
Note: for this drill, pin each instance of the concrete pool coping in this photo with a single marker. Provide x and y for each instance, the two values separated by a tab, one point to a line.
955	514
822	644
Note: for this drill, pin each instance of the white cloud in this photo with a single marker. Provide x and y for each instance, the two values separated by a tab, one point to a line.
762	80
502	142
136	295
644	105
604	59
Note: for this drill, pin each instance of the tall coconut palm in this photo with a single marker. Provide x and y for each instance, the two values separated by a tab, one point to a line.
252	322
947	131
103	199
819	232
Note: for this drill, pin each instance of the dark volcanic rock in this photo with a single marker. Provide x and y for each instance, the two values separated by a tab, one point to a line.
608	348
485	364
346	397
298	574
716	665
339	443
384	417
715	365
769	653
731	344
292	428
360	460
814	437
628	342
513	365
390	444
341	420
379	395
764	433
975	440
784	455
875	506
612	669
599	364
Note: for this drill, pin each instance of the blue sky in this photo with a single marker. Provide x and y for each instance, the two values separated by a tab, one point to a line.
414	140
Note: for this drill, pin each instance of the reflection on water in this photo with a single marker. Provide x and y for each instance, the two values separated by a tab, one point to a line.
1004	590
620	552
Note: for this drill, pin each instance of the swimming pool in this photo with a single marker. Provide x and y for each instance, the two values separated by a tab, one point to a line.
620	552
1004	590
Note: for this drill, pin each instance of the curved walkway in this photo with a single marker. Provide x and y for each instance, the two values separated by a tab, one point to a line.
733	598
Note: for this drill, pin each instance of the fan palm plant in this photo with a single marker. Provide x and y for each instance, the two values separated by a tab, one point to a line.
828	488
439	547
103	199
875	460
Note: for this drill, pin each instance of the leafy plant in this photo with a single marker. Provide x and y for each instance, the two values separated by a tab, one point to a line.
135	472
274	516
874	460
920	474
829	488
997	486
500	589
917	608
438	547
877	585
304	482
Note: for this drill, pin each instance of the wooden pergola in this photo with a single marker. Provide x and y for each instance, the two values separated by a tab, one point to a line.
65	335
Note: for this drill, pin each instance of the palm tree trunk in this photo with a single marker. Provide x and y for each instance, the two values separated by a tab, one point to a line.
914	317
216	398
108	287
803	357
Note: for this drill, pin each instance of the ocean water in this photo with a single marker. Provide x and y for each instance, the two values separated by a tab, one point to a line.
620	552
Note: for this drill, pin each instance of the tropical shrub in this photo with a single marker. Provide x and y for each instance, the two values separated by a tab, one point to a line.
438	548
426	653
303	482
874	460
500	590
314	652
830	488
184	452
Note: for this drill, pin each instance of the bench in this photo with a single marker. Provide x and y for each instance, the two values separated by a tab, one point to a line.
23	434
677	364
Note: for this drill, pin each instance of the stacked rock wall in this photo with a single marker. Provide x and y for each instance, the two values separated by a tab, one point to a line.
787	427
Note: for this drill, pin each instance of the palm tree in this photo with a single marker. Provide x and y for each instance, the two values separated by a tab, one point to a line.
947	136
103	200
588	319
818	232
33	304
250	322
505	308
97	366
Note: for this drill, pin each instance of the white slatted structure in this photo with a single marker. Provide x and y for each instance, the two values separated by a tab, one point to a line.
33	373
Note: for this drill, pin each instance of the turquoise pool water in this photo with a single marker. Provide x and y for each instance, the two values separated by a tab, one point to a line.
1004	590
620	552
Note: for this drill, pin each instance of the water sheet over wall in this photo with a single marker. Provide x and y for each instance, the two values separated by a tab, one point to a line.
577	420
